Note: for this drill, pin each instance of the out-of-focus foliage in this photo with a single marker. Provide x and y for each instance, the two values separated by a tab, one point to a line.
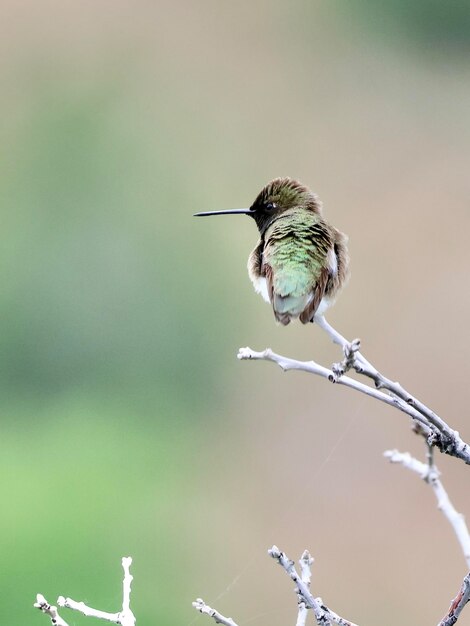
95	290
425	23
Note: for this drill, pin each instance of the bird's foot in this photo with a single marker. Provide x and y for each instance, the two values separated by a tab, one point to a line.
349	362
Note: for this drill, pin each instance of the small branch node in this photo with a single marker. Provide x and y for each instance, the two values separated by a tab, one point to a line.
350	351
305	562
245	354
43	605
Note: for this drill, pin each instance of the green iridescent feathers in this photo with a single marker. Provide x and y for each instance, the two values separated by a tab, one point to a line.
301	257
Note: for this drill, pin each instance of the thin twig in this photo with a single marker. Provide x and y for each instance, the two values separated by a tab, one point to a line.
457	604
431	476
88	611
127	616
204	608
314	368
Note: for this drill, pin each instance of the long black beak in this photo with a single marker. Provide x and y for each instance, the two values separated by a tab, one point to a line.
228	212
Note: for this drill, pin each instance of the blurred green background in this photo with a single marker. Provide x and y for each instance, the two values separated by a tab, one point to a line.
128	427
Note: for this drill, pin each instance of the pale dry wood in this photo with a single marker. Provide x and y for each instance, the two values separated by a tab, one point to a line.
125	617
430	474
457	604
323	615
204	608
43	605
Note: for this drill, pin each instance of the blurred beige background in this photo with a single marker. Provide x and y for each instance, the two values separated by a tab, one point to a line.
128	425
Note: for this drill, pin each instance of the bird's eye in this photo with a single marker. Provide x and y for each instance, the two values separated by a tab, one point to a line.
270	206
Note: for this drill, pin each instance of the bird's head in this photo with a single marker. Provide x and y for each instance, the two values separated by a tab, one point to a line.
278	196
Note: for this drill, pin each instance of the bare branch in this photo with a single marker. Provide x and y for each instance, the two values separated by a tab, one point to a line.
314	368
431	426
88	611
204	608
323	615
124	617
431	475
426	422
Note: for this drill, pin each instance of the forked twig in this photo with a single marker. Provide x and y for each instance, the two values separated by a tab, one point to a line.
125	617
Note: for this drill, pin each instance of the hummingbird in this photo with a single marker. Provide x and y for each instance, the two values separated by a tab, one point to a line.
301	261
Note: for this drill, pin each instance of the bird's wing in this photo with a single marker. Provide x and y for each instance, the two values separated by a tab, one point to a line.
308	313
